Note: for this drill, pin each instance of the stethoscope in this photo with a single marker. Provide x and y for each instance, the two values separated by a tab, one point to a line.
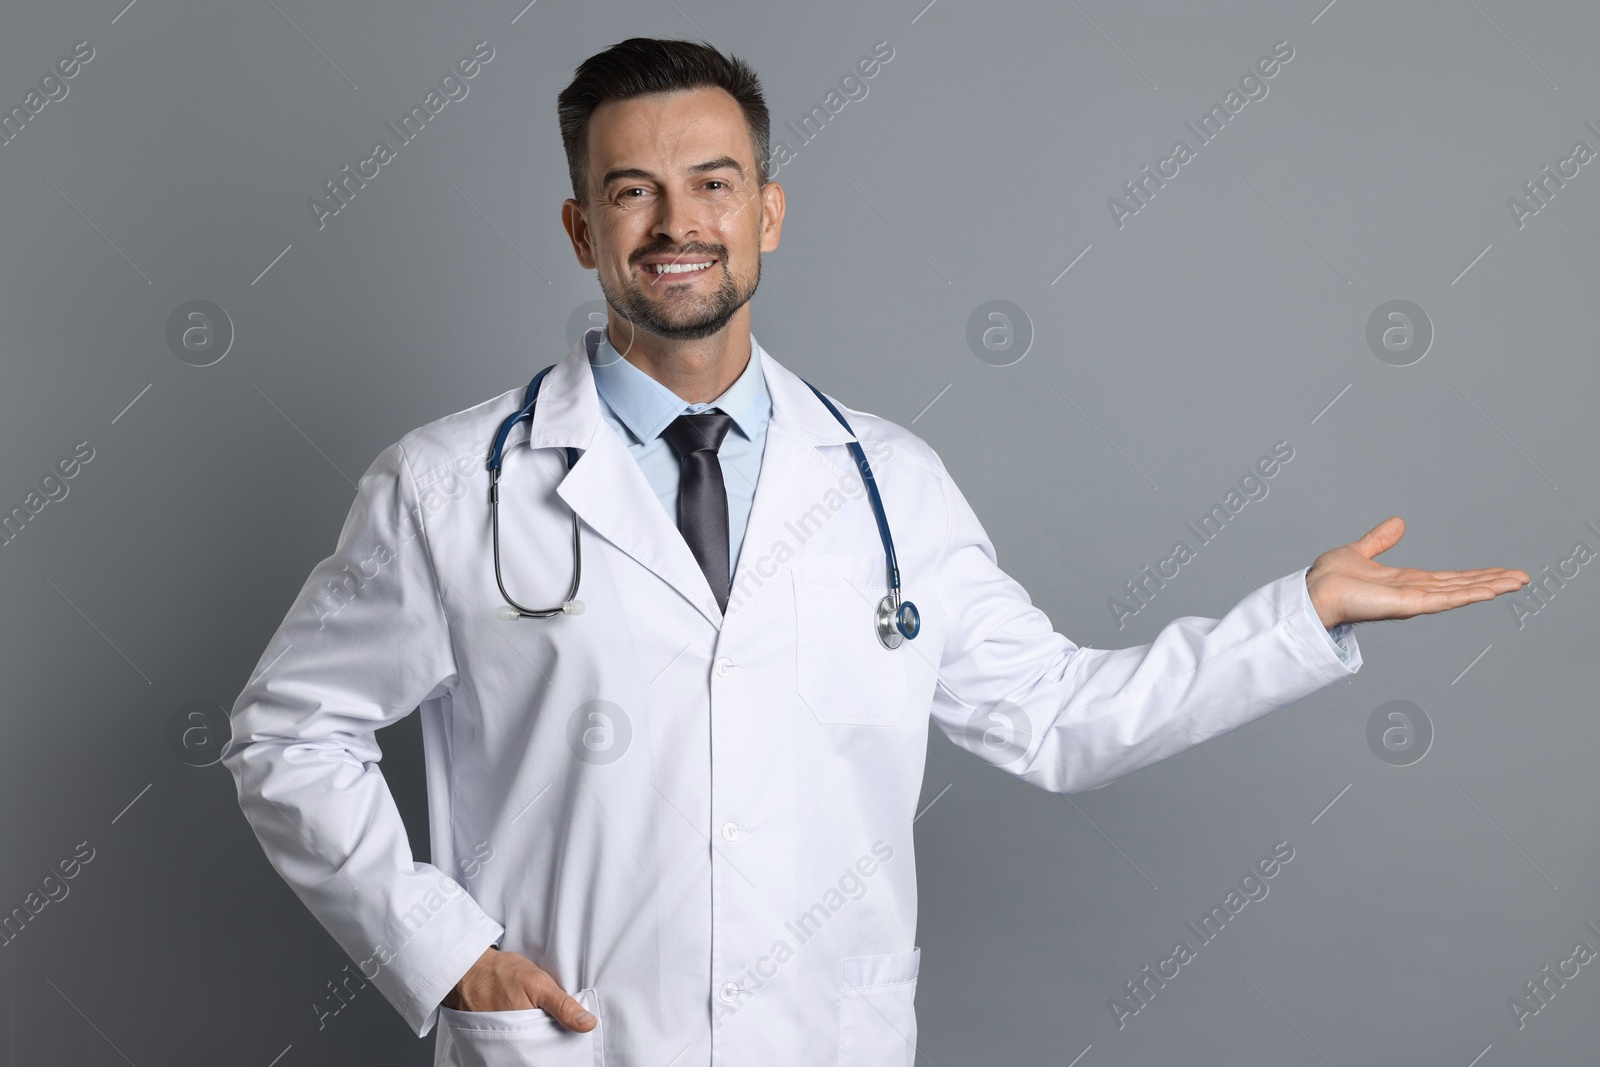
896	620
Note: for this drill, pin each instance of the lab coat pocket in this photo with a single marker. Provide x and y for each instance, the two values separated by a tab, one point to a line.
844	674
529	1036
877	1013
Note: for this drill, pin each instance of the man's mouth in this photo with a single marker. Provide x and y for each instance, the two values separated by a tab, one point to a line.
677	268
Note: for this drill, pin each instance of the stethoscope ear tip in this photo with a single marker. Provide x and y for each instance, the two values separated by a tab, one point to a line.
506	612
573	607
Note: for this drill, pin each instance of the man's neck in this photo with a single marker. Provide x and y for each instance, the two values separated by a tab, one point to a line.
697	371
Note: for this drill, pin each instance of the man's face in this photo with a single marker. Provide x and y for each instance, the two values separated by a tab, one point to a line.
675	224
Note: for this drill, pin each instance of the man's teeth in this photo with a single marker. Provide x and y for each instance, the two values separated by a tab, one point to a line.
677	268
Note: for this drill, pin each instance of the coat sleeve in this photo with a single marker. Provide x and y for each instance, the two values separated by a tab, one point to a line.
364	644
1068	719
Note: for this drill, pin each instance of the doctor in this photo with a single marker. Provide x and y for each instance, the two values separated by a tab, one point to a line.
673	823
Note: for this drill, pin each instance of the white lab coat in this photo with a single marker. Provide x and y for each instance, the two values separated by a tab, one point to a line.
700	826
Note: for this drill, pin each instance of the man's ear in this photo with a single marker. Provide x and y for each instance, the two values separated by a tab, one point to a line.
577	227
772	211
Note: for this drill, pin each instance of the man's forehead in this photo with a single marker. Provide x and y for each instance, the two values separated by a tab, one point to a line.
686	127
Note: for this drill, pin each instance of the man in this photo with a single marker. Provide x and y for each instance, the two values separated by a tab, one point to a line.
676	827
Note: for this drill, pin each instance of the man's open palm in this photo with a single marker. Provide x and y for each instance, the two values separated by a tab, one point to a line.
1347	585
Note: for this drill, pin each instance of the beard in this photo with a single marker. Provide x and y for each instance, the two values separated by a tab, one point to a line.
683	320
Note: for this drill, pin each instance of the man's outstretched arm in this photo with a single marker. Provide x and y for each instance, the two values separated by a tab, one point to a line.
1067	719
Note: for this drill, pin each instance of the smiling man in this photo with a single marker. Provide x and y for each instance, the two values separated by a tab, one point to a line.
671	825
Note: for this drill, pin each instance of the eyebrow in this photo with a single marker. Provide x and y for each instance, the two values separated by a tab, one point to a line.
720	163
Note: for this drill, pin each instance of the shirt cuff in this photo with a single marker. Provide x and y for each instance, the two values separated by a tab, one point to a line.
1339	636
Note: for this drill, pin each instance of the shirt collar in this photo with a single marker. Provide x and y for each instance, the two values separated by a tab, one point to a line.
646	407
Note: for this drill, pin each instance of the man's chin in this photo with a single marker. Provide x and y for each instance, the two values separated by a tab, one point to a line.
684	325
691	331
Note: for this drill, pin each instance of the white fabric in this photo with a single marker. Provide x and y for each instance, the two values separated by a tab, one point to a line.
700	826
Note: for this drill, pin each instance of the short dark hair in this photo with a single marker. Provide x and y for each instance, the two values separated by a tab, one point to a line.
641	66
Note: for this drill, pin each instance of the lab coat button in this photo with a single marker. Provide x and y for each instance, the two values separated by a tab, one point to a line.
730	830
730	992
724	666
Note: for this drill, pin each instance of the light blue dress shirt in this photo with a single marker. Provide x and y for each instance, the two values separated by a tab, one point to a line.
638	408
1339	635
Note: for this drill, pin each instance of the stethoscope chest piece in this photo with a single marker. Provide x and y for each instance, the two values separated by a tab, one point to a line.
896	620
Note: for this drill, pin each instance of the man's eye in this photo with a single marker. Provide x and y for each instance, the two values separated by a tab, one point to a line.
717	181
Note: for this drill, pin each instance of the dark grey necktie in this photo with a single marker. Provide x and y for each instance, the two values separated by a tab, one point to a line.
702	496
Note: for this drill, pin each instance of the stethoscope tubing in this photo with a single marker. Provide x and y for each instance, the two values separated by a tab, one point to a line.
894	619
577	559
865	468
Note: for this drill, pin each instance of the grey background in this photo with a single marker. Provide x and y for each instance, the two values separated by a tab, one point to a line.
1228	314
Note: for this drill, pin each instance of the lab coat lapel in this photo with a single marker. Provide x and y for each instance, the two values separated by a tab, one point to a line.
606	487
794	476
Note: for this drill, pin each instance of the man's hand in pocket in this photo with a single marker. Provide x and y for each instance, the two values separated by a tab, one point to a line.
510	981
